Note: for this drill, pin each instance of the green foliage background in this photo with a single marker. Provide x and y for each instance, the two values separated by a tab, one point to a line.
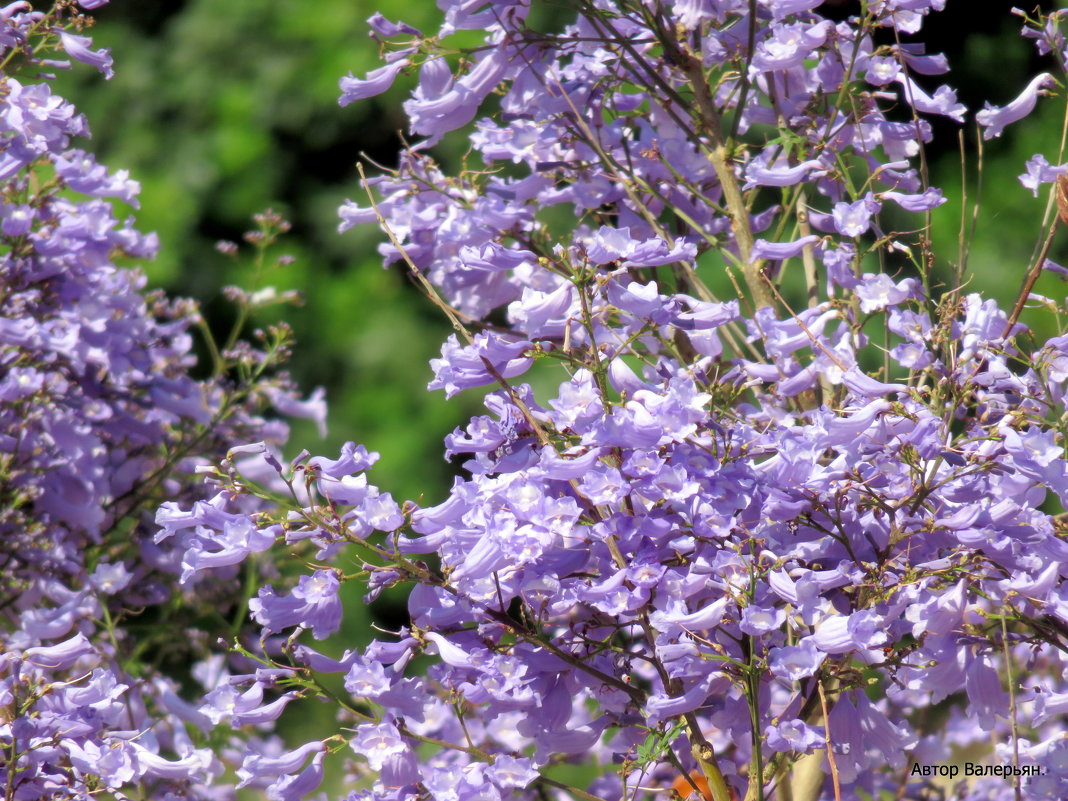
223	109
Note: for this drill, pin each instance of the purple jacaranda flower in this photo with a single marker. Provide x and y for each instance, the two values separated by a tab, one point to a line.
61	655
919	61
943	102
1053	267
114	762
313	604
210	513
906	16
21	382
986	698
993	119
442	104
641	300
508	772
545	314
261	769
929	199
239	537
795	662
865	386
352	215
758	620
661	706
463	367
1040	171
367	680
781	250
910	325
604	485
706	315
450	653
690	14
881	70
794	735
227	700
805	592
297	787
380	512
347	490
352	459
194	766
16	220
769	168
616	244
181	710
879	291
474	16
1050	756
630	426
787	46
984	324
1049	705
862	736
378	742
912	356
377	81
622	377
77	47
324	664
854	219
311	408
839	263
383	28
841	634
13	8
109	578
780	9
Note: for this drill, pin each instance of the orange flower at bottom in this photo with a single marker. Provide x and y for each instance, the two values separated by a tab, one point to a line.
683	789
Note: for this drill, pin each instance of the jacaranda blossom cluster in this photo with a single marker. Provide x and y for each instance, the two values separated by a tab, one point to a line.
788	527
101	420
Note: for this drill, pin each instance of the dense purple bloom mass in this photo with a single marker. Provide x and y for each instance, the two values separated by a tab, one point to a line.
737	541
713	524
100	421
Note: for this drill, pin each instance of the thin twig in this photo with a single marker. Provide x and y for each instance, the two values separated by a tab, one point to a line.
432	293
752	271
827	738
1017	792
706	759
567	788
427	287
1032	277
808	258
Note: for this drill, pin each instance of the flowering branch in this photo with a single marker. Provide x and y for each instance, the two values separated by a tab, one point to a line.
730	547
